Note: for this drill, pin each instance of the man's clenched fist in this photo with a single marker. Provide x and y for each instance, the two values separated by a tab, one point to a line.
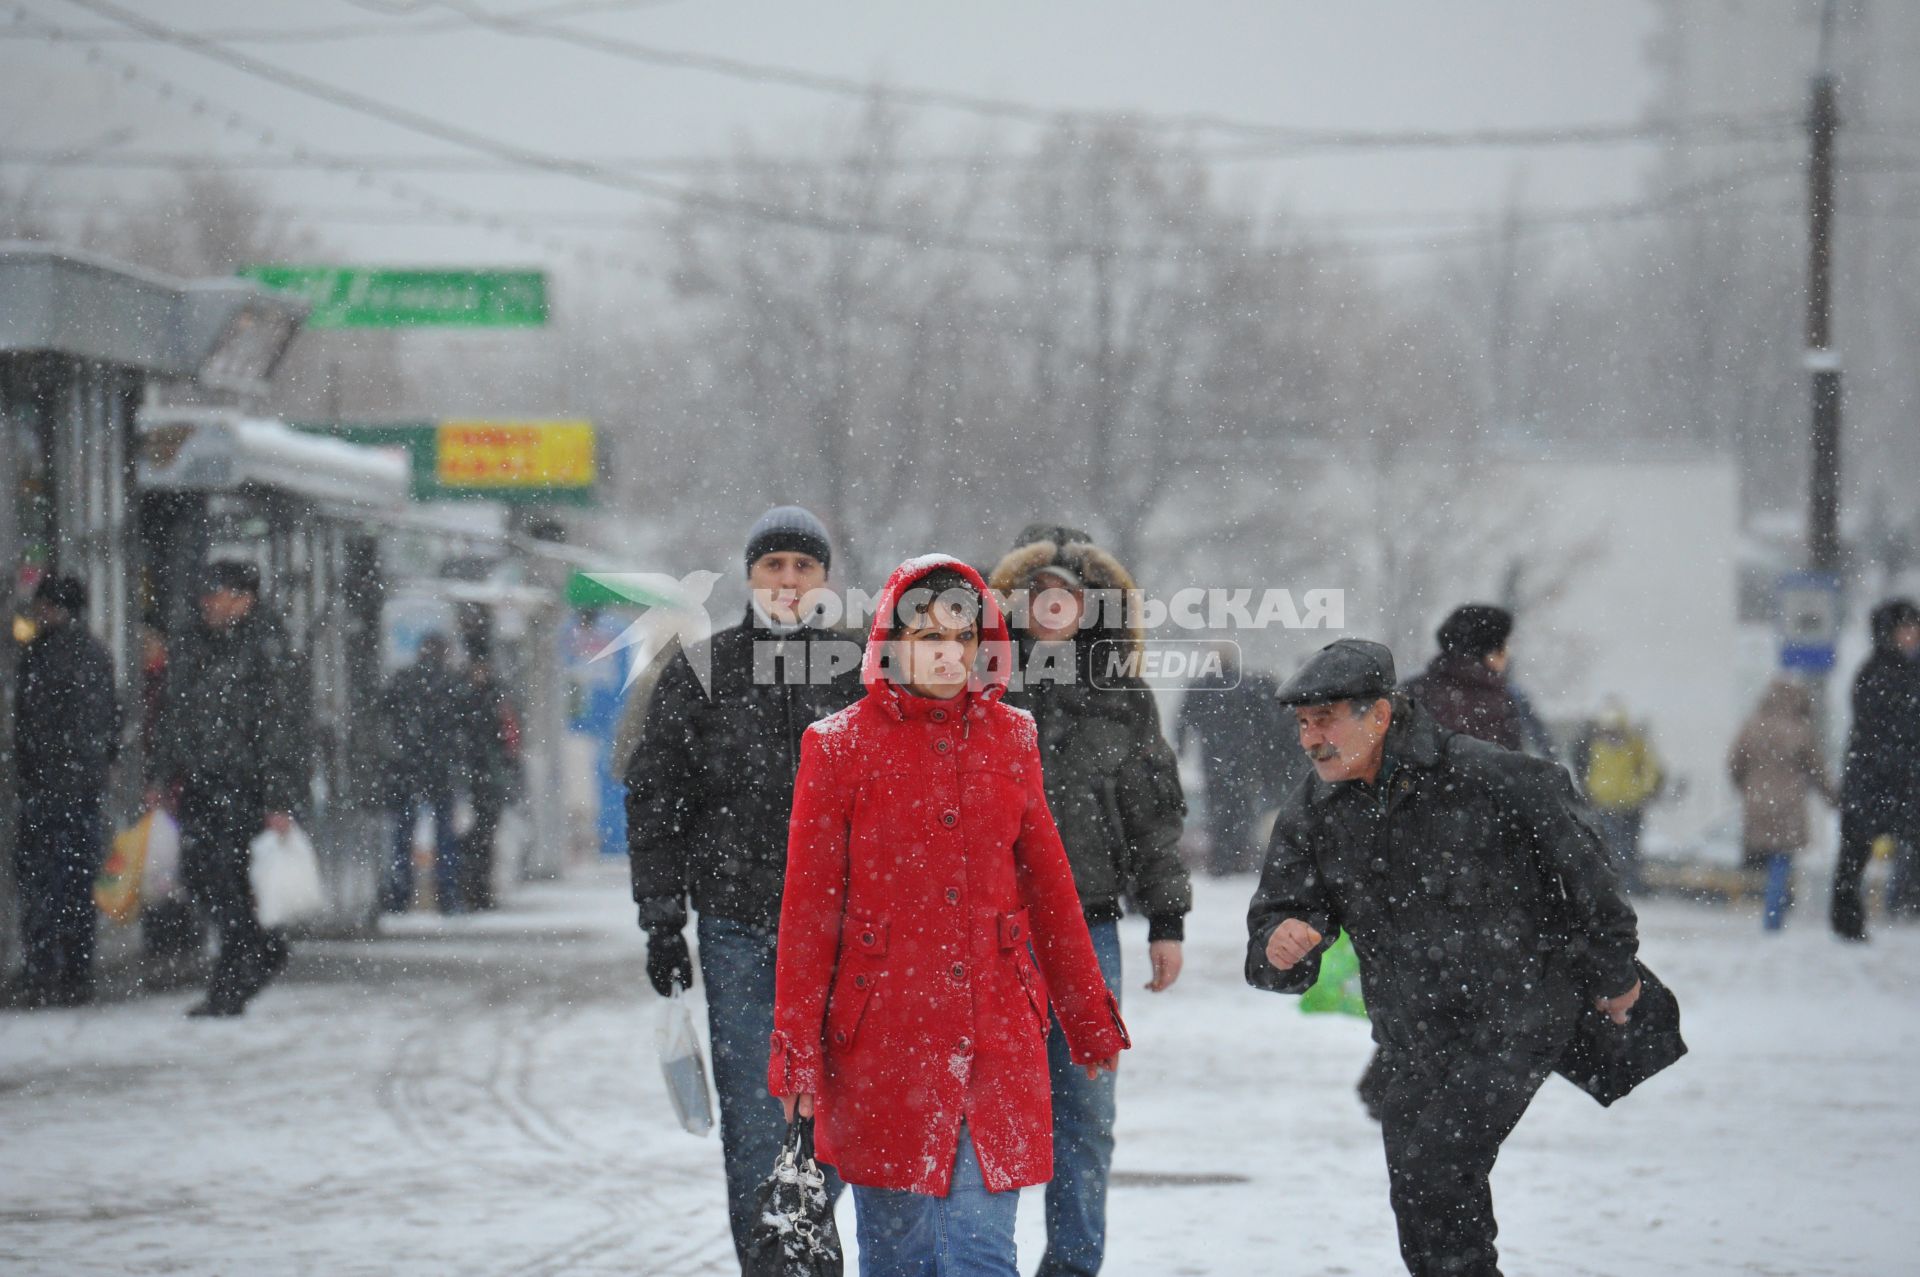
1291	941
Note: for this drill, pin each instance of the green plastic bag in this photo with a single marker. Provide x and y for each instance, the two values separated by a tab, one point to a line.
1338	988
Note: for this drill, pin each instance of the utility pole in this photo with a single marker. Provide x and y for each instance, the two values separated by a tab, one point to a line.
1823	361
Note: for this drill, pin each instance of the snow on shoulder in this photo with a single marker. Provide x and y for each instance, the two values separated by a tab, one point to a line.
832	731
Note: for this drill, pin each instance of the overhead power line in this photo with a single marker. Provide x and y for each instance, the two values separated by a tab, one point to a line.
508	155
688	198
1731	128
427	202
1269	140
378	29
469	139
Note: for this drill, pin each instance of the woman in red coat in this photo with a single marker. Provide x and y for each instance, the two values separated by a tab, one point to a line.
924	880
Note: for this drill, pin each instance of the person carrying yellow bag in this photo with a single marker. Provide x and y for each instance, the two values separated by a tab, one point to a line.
116	892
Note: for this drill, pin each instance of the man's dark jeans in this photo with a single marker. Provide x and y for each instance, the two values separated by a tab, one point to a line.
737	965
218	823
56	859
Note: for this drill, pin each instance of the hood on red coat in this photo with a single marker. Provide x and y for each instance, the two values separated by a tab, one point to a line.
996	644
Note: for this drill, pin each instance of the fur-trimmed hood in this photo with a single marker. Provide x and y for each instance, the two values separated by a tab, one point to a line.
1097	570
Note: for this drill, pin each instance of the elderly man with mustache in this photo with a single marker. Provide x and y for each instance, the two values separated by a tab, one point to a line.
1485	916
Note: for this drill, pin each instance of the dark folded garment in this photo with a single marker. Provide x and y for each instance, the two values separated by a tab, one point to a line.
1607	1060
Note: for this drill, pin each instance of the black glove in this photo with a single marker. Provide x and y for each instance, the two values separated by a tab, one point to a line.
668	962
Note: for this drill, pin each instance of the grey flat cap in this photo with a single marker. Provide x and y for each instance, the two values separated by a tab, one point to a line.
1344	670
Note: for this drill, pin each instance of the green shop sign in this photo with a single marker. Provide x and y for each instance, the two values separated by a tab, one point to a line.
378	297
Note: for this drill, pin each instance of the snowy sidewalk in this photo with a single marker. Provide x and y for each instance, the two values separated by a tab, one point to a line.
480	1095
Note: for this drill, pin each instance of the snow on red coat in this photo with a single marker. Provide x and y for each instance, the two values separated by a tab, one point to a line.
924	877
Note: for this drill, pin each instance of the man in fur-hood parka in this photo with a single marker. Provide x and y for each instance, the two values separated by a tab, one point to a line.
1114	787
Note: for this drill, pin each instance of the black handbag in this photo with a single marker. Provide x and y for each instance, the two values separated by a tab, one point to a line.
1607	1060
793	1231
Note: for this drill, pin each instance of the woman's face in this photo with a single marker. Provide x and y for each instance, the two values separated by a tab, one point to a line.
937	650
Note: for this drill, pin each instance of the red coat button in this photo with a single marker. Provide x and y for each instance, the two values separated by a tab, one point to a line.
953	895
966	1045
859	982
949	818
959	971
939	716
942	745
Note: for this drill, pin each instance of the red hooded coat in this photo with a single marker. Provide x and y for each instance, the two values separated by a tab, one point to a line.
924	877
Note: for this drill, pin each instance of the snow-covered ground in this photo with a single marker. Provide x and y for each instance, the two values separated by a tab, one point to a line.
481	1096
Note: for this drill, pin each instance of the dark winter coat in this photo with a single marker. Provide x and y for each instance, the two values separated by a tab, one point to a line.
1881	783
426	741
710	781
929	915
1473	883
66	715
1221	713
487	756
235	713
1112	780
1464	694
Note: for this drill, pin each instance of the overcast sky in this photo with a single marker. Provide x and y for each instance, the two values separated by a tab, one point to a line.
1379	65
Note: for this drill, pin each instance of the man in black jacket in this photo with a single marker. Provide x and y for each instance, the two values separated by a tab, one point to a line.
709	791
489	752
425	739
1880	787
1484	914
66	736
1225	713
229	744
1113	786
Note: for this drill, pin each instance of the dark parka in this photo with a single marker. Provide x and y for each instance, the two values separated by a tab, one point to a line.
710	779
1473	884
234	713
1881	784
425	706
1112	780
1465	694
66	716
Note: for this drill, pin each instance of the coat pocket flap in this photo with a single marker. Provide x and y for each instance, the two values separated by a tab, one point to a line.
1014	930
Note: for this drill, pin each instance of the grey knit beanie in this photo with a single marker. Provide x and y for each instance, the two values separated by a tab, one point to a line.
789	527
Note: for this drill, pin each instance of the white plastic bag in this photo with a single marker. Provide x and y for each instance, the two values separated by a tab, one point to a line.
160	875
286	878
684	1067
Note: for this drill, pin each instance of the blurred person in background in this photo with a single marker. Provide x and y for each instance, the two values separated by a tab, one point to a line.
1777	763
1621	774
230	754
1880	784
489	756
427	748
1225	716
66	736
1465	686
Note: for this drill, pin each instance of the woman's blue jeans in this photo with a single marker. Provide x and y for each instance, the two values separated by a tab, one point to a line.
967	1233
